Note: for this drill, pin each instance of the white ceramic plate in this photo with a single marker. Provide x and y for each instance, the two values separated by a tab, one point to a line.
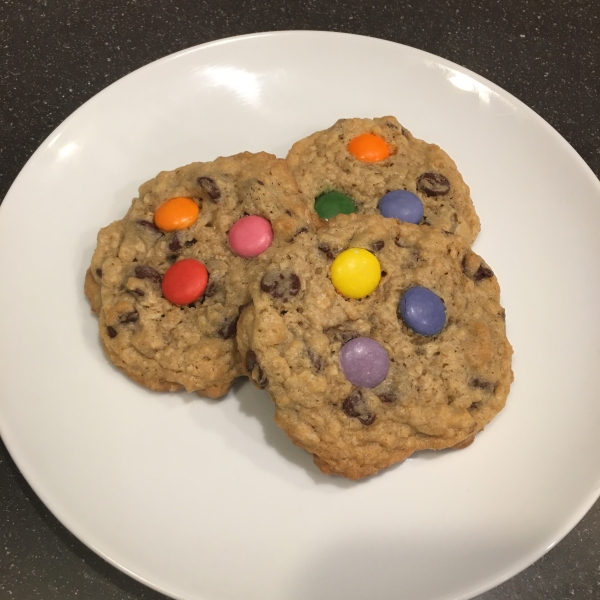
209	500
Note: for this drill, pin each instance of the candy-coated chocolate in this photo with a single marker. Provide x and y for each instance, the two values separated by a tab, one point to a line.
176	213
185	281
369	147
402	205
330	204
250	236
364	362
355	273
422	310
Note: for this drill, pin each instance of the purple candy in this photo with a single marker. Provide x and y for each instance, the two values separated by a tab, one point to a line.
422	310
402	205
364	362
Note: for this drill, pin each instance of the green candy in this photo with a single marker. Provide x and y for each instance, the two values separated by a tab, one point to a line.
330	204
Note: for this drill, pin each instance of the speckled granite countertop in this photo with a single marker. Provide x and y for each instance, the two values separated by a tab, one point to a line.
56	55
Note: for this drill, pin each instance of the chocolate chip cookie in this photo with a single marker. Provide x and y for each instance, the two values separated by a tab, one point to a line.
168	280
376	166
376	339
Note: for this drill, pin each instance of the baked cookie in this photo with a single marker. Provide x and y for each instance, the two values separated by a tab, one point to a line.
375	165
168	280
375	339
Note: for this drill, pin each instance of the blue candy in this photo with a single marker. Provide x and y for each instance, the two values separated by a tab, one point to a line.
402	205
422	310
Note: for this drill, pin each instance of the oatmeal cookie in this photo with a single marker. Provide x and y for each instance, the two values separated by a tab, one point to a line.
356	163
376	339
169	279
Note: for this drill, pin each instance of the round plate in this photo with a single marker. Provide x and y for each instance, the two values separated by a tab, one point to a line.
208	499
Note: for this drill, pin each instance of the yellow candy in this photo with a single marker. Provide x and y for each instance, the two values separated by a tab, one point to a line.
355	273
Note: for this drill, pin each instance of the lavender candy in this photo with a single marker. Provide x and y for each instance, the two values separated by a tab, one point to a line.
364	362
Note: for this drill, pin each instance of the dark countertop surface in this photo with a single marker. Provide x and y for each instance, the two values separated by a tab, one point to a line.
57	55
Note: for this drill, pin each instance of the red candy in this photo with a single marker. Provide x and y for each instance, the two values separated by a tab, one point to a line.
250	236
185	281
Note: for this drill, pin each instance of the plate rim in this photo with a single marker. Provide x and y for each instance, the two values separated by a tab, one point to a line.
13	446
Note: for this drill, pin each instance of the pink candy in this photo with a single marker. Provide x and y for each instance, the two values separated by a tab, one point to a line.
250	236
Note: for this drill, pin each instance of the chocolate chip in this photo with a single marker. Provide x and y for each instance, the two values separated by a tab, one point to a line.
99	272
352	402
112	332
345	336
484	272
281	285
367	419
411	259
252	365
261	380
211	289
342	335
388	397
148	225
190	243
129	317
482	384
474	406
476	274
259	182
210	187
172	258
356	407
433	183
387	392
326	249
175	243
377	245
401	243
250	360
229	328
146	272
315	360
301	230
139	292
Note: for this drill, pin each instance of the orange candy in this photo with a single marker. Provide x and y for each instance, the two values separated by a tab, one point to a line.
369	147
176	213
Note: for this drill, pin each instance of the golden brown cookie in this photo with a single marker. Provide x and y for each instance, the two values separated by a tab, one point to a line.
362	383
174	344
327	162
